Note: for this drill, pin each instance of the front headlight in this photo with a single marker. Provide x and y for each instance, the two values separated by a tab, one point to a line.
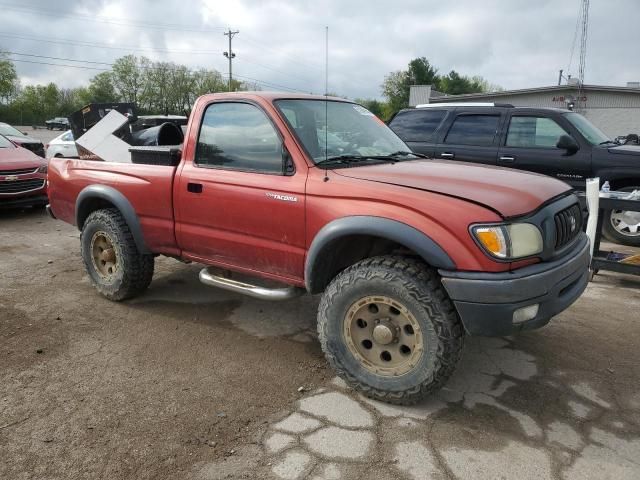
509	241
42	169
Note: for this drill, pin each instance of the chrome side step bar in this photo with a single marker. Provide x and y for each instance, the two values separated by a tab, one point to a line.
263	293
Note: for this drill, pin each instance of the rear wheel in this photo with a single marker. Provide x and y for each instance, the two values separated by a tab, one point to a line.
388	328
622	226
116	268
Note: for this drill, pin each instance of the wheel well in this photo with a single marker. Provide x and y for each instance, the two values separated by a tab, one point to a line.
343	252
89	206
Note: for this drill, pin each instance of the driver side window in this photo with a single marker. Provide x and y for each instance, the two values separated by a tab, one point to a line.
533	132
238	136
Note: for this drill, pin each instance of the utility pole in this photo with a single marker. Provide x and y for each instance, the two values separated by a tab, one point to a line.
230	55
560	77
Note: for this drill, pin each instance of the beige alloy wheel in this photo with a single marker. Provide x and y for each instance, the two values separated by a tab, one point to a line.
383	336
103	255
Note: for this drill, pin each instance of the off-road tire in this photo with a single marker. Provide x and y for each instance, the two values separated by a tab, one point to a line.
611	234
418	288
135	270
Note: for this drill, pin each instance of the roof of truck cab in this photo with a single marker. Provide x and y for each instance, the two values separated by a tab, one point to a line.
274	96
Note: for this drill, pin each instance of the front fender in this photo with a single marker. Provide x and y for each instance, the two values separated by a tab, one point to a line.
393	230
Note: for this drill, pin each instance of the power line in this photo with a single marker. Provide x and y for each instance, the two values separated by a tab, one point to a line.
256	80
273	69
111	20
60	65
63	41
162	26
126	48
57	58
262	46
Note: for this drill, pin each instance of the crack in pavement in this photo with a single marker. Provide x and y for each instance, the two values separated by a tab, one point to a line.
334	433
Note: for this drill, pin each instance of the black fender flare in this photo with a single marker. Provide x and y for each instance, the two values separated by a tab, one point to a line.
399	232
119	201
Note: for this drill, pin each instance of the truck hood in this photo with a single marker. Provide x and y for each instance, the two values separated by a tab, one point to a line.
626	150
20	139
506	191
17	158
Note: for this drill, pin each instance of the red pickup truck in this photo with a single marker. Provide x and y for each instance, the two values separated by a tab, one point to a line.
317	195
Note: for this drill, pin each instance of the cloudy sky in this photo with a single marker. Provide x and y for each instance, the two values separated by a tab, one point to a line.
512	43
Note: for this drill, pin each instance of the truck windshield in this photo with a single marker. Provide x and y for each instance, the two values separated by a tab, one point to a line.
589	131
329	129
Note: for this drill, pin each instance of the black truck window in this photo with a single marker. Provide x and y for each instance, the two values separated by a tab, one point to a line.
533	132
417	125
473	130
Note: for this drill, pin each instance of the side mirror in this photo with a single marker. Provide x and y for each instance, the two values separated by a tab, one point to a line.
566	142
288	167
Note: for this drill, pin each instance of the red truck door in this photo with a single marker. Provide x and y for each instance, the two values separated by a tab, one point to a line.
239	199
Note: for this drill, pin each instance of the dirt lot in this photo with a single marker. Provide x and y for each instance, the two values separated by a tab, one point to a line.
189	382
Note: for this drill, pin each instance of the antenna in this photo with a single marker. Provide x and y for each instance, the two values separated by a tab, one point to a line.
326	94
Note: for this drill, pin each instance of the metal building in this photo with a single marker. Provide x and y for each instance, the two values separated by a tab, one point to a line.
615	110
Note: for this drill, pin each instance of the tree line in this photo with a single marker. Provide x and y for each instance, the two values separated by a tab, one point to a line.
156	87
396	86
170	88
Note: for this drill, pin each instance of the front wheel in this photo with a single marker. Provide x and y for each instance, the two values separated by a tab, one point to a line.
116	268
388	328
622	226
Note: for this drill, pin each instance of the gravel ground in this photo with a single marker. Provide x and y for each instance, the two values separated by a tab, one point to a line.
192	382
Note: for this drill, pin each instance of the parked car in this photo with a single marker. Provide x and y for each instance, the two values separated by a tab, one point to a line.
409	253
62	146
23	176
59	122
21	139
555	142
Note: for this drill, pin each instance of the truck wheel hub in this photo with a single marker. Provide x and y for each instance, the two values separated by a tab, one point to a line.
103	254
383	335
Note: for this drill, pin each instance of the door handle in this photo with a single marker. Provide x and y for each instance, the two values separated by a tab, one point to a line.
194	187
447	155
507	159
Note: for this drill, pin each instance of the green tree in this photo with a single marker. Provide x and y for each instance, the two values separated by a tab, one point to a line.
101	89
128	74
374	106
396	85
8	79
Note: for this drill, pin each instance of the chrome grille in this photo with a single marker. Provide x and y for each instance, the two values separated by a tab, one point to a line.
18	171
568	225
20	186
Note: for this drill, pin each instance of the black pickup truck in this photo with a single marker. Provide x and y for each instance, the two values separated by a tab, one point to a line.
554	142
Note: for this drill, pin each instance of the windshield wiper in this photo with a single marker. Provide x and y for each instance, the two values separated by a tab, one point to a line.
352	158
608	141
346	159
404	153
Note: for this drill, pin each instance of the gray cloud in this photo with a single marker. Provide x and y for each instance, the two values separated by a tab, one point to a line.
515	44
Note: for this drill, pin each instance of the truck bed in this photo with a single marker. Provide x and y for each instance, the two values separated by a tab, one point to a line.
147	187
